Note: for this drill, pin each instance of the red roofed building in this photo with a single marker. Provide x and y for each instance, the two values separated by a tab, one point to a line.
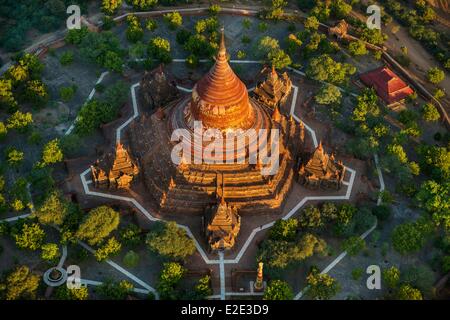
387	84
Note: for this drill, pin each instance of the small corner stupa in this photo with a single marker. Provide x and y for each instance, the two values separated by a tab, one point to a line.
158	88
322	170
274	90
114	171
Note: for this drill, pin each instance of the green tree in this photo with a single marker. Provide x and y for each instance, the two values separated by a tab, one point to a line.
30	236
130	235
357	48
435	198
391	277
430	112
3	131
353	245
52	153
284	230
19	121
214	9
50	252
328	94
397	151
324	68
151	25
203	287
111	6
66	58
321	286
142	4
173	19
21	283
435	161
134	30
435	75
159	48
408	237
311	218
170	277
112	247
278	290
167	239
98	224
279	59
67	93
14	157
53	210
311	23
407	292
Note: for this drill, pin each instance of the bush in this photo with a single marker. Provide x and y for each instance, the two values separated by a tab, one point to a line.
435	75
130	235
52	153
131	259
151	25
278	290
321	286
408	237
159	49
110	248
406	292
357	48
134	30
3	131
353	245
182	36
67	93
14	157
169	279
203	287
50	252
391	277
19	121
173	19
66	58
30	236
430	112
284	230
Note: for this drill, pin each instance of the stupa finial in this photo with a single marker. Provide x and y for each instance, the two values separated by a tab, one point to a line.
222	48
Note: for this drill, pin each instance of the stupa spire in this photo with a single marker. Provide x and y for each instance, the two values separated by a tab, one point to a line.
222	48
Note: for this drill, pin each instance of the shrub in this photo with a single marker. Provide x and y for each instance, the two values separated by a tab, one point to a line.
114	290
134	30
30	237
3	131
430	112
284	230
67	93
278	290
14	157
66	58
159	48
151	25
50	252
169	279
435	75
19	121
321	286
391	277
110	248
130	235
52	153
353	245
53	210
173	19
131	259
406	292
